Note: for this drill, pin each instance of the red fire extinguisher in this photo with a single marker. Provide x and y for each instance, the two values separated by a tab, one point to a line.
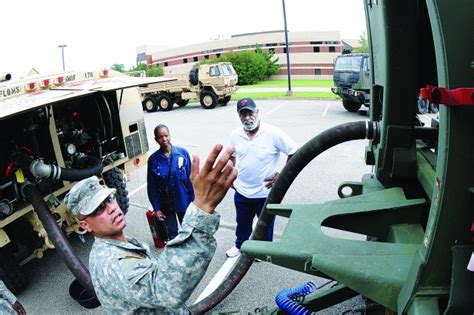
158	229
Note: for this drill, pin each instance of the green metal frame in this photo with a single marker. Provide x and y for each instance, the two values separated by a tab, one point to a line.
419	205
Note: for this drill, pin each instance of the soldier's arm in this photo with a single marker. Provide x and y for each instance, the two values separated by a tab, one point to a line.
180	267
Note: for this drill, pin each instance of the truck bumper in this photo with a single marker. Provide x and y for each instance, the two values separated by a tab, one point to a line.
351	95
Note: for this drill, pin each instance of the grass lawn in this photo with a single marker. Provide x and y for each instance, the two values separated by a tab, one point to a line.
294	83
282	95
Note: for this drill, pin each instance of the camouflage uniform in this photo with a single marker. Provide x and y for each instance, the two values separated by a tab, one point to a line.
6	300
129	279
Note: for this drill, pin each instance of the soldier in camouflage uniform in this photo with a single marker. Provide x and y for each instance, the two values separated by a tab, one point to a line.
8	302
127	278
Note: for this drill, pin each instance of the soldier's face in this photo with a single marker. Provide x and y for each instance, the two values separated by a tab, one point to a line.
108	222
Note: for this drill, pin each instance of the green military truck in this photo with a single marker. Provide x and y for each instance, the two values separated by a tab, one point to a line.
352	80
211	84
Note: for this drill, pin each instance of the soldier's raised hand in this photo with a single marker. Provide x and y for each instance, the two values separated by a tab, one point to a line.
212	182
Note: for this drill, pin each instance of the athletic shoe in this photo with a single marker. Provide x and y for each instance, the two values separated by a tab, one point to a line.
233	252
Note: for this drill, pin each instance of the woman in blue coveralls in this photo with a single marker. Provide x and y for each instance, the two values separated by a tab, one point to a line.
169	185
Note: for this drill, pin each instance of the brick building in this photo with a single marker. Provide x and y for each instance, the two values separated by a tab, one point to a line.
312	54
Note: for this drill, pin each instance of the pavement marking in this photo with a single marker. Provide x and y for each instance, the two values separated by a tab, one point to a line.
326	110
275	109
133	192
218	278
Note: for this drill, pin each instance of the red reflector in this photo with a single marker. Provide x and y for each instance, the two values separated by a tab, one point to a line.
137	161
45	83
59	80
104	73
30	86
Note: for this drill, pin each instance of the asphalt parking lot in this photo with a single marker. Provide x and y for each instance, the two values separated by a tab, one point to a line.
198	130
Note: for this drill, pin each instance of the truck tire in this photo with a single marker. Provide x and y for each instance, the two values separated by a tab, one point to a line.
165	102
194	76
351	106
225	100
182	102
150	104
209	99
11	274
116	179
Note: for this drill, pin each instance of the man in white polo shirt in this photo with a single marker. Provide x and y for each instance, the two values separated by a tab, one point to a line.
257	152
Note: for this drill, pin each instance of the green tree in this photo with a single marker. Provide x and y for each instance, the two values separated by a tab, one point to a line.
139	67
270	60
118	67
250	66
154	71
363	44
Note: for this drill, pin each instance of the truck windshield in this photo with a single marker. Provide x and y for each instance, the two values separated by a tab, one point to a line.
227	69
349	63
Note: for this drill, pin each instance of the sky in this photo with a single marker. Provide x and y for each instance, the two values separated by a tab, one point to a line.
99	33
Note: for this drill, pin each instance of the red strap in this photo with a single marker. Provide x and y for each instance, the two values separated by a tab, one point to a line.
456	97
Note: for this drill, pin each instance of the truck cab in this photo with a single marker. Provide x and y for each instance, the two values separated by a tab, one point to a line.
352	80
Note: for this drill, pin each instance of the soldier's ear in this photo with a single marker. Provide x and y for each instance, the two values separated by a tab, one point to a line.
85	226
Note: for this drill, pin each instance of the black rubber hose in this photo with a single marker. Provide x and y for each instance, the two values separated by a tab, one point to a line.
58	238
317	145
94	167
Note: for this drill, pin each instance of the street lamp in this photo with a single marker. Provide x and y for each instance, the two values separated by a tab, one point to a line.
288	68
62	54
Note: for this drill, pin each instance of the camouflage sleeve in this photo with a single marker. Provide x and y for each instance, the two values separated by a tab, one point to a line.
6	294
170	280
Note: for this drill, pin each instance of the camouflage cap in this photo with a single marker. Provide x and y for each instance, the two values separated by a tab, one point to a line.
86	196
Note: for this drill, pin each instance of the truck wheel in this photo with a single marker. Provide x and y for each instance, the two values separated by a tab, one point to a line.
165	102
116	179
11	274
150	104
209	99
194	76
225	100
351	106
182	102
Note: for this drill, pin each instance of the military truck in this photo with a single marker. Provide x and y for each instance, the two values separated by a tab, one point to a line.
212	84
55	130
352	80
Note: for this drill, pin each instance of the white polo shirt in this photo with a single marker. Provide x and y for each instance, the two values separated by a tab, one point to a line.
257	158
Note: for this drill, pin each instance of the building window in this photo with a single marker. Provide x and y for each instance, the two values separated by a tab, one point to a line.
316	43
332	49
195	59
316	49
218	55
185	60
271	50
271	44
206	56
317	71
165	64
284	50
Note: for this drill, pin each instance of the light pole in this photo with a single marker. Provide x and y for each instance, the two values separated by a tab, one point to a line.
62	54
288	68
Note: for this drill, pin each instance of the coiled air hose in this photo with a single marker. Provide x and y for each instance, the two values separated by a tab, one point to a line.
286	299
317	145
